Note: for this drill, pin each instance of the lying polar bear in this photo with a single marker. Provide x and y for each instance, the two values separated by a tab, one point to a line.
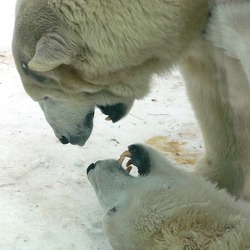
166	208
75	55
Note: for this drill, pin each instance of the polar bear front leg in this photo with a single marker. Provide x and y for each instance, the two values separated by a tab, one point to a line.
225	133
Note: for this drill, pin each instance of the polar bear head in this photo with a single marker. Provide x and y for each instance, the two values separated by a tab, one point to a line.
73	56
134	207
165	207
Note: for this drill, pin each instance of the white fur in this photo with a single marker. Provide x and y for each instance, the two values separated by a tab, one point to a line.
216	74
105	52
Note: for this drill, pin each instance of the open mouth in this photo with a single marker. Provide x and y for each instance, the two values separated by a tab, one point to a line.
129	165
133	161
138	157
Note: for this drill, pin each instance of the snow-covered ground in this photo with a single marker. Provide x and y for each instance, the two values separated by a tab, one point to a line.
46	201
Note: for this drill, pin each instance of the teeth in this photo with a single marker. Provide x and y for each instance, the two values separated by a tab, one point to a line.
128	169
120	160
126	154
108	118
129	163
123	156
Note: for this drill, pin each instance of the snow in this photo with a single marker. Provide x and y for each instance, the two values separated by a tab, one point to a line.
46	201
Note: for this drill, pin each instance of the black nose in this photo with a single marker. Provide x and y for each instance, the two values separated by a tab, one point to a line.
90	167
64	140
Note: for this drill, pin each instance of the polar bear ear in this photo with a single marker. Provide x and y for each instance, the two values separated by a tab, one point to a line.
51	51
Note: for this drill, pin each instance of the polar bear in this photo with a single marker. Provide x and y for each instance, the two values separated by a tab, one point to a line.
166	207
75	55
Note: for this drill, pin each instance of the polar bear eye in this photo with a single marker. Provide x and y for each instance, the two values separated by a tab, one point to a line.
24	66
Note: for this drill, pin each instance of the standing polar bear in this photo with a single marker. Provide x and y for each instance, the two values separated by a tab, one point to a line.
75	55
166	207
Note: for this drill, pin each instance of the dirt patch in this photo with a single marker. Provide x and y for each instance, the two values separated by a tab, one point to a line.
174	149
6	58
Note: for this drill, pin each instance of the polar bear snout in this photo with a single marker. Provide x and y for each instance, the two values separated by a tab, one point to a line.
72	123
